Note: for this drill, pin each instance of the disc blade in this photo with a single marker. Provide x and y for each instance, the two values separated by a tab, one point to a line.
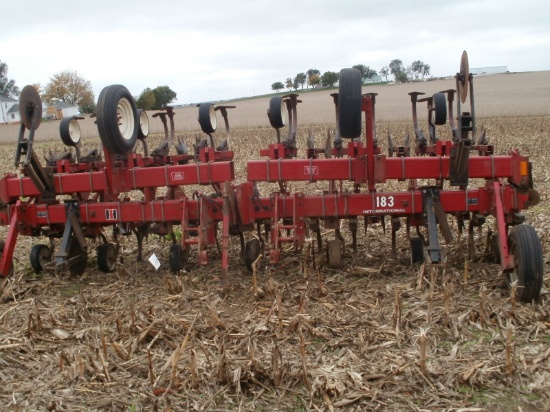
30	107
464	76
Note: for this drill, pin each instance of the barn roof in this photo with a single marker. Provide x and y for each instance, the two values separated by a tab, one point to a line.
14	108
6	99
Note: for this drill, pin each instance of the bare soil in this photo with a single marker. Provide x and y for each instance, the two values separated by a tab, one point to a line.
379	334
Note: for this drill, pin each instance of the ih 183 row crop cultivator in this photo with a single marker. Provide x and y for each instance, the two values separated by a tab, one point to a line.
74	198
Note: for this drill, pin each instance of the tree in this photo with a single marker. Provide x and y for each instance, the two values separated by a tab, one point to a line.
366	71
402	77
425	70
384	71
146	99
277	86
369	73
289	84
312	73
7	87
396	67
300	79
70	87
329	78
416	68
314	80
163	96
362	68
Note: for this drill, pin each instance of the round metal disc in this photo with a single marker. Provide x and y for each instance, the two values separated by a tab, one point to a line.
30	107
464	76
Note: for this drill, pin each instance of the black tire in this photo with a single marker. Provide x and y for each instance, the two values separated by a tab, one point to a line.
277	112
417	250
106	257
526	248
39	257
251	252
334	254
117	119
177	258
69	130
207	118
349	103
440	108
143	130
2	246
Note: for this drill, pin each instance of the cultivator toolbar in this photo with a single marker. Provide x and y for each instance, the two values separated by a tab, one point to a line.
75	197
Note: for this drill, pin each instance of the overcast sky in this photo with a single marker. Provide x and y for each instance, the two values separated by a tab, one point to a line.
221	49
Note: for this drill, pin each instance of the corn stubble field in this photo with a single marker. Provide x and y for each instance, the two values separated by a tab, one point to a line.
378	334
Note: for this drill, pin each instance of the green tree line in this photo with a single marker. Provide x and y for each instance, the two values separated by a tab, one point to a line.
313	77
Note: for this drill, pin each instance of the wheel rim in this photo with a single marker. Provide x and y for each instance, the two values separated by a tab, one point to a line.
111	258
283	112
44	256
144	123
74	131
125	116
213	120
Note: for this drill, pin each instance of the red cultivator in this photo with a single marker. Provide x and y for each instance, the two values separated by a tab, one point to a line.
78	198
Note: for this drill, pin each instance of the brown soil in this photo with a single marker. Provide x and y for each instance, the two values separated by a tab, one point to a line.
376	335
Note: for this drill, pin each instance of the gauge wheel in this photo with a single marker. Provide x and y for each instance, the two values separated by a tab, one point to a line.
277	112
440	108
106	257
69	130
143	131
349	103
177	257
526	248
417	250
251	252
117	119
39	257
2	246
207	118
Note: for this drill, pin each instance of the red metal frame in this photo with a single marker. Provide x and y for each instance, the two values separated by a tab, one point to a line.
21	206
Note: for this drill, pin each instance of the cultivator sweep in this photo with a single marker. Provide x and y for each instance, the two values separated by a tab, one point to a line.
75	197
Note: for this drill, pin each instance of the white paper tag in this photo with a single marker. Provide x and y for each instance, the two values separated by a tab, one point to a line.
154	261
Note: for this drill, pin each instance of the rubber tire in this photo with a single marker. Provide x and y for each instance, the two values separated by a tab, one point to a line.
2	246
334	254
252	250
417	250
113	100
39	257
207	118
524	244
277	112
177	258
143	119
69	130
106	257
349	103
440	108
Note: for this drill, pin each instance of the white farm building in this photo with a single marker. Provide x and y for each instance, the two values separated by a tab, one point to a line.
480	71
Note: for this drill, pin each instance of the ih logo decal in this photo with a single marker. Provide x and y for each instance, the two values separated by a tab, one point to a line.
311	170
111	214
